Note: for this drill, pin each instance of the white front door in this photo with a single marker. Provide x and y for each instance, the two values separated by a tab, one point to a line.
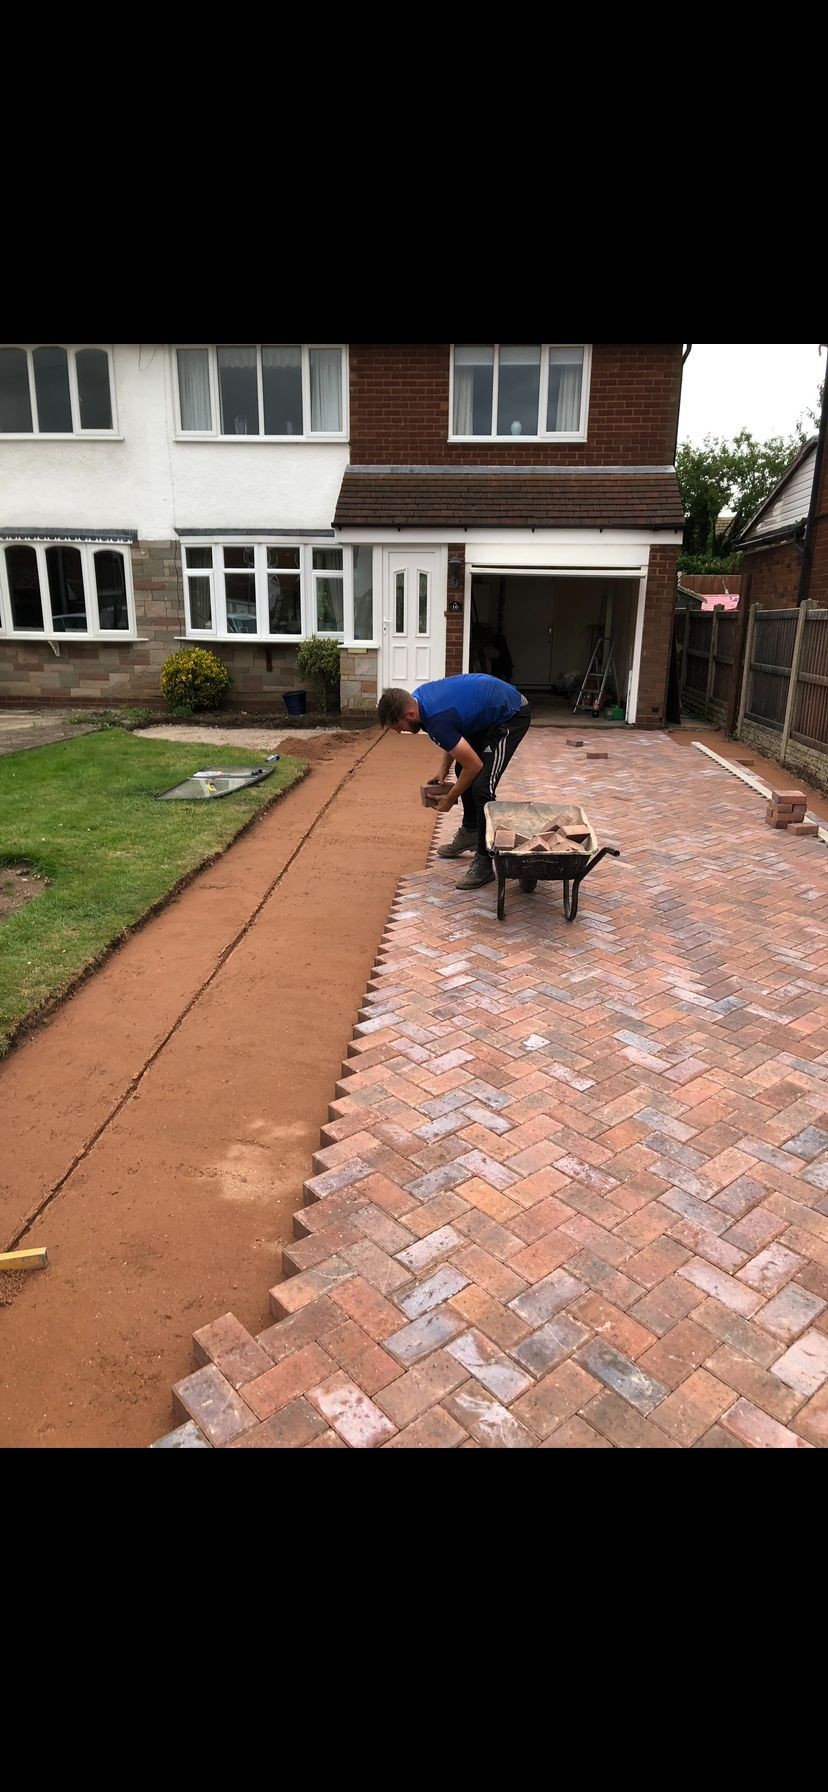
413	617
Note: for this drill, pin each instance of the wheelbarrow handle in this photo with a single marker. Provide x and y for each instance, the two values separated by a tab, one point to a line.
614	851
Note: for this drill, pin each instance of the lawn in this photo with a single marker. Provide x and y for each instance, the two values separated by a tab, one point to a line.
81	815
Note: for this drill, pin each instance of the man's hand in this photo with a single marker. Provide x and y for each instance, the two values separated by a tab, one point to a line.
445	802
437	780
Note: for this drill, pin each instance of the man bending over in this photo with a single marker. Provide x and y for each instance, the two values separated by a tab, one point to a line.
479	722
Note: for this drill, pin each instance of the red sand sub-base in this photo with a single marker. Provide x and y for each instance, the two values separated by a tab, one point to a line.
167	1114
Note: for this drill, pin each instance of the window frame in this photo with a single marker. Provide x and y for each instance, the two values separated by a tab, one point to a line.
308	575
77	433
87	551
542	435
215	435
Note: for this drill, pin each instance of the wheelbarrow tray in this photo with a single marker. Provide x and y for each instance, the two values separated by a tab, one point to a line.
568	868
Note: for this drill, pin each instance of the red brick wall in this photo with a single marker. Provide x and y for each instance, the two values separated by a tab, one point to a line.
400	410
771	578
657	638
454	618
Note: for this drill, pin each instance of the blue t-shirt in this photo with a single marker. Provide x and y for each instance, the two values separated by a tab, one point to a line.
453	709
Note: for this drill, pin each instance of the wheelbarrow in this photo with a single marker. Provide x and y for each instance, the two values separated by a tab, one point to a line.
568	868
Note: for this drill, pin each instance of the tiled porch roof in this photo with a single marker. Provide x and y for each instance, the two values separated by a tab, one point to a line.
509	497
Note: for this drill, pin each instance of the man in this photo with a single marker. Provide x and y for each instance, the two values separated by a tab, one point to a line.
479	722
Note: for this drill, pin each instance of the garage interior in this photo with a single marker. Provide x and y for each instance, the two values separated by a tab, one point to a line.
540	630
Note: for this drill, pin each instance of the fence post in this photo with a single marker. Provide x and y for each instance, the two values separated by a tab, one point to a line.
797	653
685	639
711	660
751	628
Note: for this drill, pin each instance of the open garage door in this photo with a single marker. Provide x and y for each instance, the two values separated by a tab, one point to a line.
540	629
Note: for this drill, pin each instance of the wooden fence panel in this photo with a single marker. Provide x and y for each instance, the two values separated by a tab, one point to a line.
810	713
770	667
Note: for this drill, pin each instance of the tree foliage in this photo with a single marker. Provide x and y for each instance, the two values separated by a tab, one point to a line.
737	476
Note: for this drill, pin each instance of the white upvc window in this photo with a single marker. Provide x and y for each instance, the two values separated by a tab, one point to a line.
503	392
262	392
60	590
281	591
55	391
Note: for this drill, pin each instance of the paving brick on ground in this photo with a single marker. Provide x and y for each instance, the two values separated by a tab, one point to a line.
572	1191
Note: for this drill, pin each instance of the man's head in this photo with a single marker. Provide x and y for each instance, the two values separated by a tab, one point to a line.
400	711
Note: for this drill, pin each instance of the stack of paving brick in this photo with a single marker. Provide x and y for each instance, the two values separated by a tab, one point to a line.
558	837
786	809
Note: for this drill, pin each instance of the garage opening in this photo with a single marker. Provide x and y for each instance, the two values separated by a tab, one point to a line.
540	632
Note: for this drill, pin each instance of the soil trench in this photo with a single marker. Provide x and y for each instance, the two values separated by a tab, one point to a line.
176	1211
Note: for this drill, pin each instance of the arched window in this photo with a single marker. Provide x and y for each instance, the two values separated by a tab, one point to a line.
110	586
24	588
65	572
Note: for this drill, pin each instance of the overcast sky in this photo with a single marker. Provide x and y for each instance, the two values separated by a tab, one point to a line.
762	387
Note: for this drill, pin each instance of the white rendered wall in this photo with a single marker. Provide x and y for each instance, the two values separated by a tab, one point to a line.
150	482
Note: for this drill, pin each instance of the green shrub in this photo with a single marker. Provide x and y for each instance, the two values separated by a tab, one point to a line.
194	679
318	659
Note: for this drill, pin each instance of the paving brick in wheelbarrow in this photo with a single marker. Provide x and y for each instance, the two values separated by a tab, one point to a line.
572	1187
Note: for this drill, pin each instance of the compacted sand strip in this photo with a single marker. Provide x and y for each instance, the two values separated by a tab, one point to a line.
189	1102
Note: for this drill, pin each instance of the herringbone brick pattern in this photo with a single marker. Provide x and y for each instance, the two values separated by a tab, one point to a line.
573	1189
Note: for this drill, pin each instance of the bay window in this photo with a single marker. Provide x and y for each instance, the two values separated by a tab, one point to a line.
511	391
53	589
279	591
262	392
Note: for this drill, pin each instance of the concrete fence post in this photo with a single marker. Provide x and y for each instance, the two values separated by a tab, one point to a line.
751	630
797	654
711	659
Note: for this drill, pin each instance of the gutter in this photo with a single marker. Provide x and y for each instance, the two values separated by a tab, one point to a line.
774	538
807	556
678	409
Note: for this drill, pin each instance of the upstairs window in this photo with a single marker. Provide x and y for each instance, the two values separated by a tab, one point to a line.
508	391
262	392
56	391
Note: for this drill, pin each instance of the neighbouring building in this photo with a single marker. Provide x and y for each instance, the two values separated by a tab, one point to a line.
774	543
432	507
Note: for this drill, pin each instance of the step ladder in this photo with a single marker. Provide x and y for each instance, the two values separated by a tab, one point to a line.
600	672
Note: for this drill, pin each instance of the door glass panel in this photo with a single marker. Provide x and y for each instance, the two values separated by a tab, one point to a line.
422	605
399	603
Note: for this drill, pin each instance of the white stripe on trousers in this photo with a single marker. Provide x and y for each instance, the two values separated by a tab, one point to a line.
497	765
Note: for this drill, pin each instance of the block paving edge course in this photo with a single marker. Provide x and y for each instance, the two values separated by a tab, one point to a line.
590	1296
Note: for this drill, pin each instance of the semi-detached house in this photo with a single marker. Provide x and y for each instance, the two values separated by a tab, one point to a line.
421	503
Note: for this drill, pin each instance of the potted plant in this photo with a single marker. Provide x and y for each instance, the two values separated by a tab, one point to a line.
318	660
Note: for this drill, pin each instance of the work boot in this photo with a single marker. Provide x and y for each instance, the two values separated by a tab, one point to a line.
464	841
479	872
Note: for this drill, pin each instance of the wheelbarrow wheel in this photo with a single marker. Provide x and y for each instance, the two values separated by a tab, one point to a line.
528	884
570	897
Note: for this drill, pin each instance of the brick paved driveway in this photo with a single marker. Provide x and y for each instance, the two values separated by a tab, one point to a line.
573	1191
